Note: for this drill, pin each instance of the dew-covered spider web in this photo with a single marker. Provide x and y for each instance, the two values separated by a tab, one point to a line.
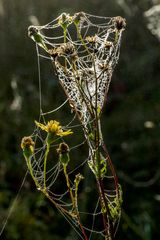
84	50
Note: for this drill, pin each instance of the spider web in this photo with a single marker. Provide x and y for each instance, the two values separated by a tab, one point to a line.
91	216
84	57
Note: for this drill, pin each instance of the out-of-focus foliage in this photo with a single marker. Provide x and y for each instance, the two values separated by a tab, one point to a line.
130	120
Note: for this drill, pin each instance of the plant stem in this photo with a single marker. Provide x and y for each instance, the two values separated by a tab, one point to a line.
45	165
31	171
112	168
68	185
81	38
74	201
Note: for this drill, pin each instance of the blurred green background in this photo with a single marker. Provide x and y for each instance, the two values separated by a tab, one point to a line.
130	120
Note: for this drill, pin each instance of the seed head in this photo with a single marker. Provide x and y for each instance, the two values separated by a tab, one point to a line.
53	52
63	148
68	50
91	39
119	23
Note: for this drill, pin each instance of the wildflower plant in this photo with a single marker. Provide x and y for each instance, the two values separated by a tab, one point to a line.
84	50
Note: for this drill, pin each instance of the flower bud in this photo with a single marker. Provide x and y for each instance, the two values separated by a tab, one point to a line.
64	20
27	145
63	152
78	17
78	178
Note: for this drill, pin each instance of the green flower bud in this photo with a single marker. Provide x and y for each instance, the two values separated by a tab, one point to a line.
78	17
63	152
64	20
34	34
27	145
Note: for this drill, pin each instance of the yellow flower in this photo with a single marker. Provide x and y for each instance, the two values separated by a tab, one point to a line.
54	127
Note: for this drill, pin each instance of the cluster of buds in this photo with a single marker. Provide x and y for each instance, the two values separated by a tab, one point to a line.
65	19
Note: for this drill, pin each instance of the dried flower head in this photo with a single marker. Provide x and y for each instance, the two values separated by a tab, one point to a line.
119	23
53	52
63	148
92	40
103	66
108	44
67	49
27	145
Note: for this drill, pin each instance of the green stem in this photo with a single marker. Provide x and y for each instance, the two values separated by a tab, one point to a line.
97	122
68	185
81	38
65	34
65	38
45	165
31	172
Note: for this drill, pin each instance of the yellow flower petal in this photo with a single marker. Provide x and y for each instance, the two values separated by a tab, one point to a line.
53	127
42	126
65	133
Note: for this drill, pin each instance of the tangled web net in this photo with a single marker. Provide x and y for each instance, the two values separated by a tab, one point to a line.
84	60
84	50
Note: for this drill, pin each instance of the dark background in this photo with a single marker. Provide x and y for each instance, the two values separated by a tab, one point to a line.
134	99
